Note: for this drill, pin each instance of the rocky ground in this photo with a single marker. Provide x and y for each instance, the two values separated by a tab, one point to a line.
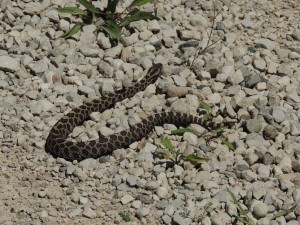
250	76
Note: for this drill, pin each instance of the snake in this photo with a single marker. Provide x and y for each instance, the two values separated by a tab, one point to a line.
57	142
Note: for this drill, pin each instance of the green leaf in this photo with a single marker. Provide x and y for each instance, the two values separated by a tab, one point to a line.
205	117
88	5
139	2
112	5
112	29
228	144
195	159
205	106
73	30
135	16
125	217
73	10
220	129
284	212
236	202
244	212
181	131
163	155
167	143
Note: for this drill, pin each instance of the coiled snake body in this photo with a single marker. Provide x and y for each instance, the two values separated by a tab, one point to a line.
58	146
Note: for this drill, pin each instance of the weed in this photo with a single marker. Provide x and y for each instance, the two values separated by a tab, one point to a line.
125	216
201	51
175	156
206	209
107	20
185	212
243	213
284	212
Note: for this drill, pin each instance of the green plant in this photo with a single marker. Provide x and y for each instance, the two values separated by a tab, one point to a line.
284	212
243	213
125	216
107	20
175	156
185	212
201	51
219	130
205	211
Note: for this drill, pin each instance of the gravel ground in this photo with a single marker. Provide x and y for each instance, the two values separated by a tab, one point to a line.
251	75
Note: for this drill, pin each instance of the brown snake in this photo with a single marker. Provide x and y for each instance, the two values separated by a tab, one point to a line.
58	146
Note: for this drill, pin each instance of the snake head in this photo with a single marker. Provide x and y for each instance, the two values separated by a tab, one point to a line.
154	72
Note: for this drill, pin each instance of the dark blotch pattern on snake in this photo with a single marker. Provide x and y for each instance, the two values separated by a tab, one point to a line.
58	146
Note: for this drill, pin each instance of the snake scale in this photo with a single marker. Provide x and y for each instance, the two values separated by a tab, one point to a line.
58	145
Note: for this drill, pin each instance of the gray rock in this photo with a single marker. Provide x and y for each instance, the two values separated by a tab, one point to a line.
236	77
223	196
186	35
131	180
296	34
284	70
198	20
272	67
251	77
126	199
248	24
253	125
80	174
190	138
75	197
146	199
220	218
66	182
114	52
9	64
83	200
162	192
40	66
278	114
285	164
53	15
153	25
89	213
180	81
89	164
265	43
75	212
32	94
260	210
260	64
263	171
294	55
142	212
128	41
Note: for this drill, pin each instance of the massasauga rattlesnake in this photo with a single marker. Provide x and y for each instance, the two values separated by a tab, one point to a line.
58	146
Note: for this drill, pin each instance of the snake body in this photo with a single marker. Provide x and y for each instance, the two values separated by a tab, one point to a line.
58	145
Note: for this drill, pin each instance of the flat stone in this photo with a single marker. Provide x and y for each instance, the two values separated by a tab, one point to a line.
162	192
265	43
75	212
260	64
126	199
40	66
296	34
9	64
88	212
